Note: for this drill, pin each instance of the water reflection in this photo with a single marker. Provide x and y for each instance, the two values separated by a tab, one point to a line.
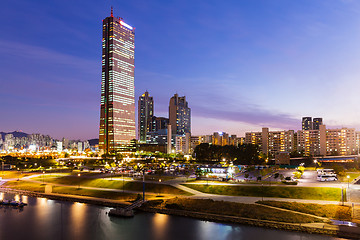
160	222
17	197
24	199
47	219
78	218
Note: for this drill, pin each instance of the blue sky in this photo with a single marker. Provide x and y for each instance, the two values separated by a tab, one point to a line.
242	65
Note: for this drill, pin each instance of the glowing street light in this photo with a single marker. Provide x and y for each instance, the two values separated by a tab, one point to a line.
79	179
348	177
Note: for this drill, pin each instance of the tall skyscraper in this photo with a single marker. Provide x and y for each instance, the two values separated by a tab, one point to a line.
145	114
307	123
316	123
117	108
179	115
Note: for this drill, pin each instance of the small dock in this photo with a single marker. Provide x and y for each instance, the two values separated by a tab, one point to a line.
126	211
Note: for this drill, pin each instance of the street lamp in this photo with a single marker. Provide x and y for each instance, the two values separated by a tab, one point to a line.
159	187
43	177
79	179
348	177
315	161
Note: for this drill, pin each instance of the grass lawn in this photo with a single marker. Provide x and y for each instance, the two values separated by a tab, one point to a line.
115	184
234	209
29	186
317	193
331	211
14	174
352	176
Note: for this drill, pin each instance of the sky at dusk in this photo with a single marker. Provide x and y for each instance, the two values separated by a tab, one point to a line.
242	64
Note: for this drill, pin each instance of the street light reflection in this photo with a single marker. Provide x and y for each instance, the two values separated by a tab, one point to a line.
160	222
24	199
17	197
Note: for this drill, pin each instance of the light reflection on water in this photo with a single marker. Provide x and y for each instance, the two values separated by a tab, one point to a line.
56	220
160	222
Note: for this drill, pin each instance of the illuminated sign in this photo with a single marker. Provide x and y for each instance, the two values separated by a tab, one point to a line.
126	25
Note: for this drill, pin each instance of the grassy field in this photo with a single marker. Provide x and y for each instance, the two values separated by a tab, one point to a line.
14	174
29	186
352	175
331	211
234	209
114	184
325	193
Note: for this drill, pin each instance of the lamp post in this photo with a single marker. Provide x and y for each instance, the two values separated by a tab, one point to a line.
43	177
143	184
159	187
123	180
79	179
348	177
315	161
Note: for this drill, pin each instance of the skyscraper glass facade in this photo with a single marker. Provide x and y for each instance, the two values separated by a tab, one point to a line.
117	108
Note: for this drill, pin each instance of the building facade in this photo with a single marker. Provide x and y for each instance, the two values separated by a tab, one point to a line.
341	142
179	115
272	142
307	123
312	142
145	115
316	123
117	107
158	123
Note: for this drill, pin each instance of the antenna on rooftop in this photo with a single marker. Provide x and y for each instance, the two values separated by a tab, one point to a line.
112	15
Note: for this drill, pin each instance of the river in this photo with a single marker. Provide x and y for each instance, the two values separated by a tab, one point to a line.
56	220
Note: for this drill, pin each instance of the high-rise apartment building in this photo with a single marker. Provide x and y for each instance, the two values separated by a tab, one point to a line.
272	142
311	124
307	123
341	141
145	115
312	142
316	123
179	115
117	108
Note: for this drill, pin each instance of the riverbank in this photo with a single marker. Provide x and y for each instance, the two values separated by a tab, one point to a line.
313	228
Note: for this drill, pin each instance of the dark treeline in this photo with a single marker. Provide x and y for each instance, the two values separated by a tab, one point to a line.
245	154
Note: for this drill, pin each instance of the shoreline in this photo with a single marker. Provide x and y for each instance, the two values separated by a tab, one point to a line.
341	231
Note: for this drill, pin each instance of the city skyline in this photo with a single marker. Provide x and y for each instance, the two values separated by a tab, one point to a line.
258	75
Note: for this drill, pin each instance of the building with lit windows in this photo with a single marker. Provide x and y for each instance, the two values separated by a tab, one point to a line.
312	142
272	142
316	123
307	123
179	115
158	123
341	141
145	115
117	108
